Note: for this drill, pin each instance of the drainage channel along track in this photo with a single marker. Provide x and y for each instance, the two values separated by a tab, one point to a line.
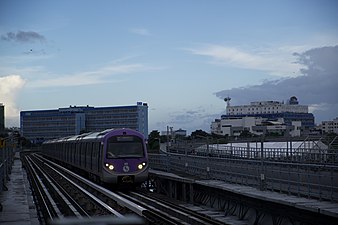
176	214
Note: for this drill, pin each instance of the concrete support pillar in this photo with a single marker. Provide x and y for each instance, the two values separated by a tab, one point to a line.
191	193
184	192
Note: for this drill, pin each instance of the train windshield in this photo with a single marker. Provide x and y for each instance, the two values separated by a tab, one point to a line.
125	147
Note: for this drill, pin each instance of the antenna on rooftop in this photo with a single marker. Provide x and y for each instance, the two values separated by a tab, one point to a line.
227	100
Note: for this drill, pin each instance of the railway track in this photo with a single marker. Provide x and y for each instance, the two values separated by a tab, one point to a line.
174	213
60	194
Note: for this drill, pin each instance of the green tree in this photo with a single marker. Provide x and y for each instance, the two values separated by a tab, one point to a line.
199	134
153	140
245	133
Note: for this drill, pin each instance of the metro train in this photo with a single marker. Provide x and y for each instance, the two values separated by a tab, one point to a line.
115	156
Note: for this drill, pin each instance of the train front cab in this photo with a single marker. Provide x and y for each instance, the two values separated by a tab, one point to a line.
124	160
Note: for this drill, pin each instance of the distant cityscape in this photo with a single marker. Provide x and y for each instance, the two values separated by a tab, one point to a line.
274	118
40	125
265	117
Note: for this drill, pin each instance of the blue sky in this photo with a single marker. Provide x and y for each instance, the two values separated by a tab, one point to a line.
182	57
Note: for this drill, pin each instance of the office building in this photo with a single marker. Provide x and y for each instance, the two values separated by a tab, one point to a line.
40	125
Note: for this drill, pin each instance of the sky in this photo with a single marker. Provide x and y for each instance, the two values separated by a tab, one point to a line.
182	57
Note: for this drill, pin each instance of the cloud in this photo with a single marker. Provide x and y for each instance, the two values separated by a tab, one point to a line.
191	120
316	87
23	37
100	75
140	31
9	88
277	61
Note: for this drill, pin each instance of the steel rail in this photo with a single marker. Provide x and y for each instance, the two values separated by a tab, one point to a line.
69	206
46	204
121	201
195	214
153	215
85	192
161	207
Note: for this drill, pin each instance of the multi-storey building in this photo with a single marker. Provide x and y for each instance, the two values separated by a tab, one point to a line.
40	125
330	126
264	116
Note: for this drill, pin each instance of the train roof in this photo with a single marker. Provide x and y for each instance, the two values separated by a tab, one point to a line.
84	136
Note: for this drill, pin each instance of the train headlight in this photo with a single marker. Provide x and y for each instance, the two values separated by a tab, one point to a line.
110	166
140	166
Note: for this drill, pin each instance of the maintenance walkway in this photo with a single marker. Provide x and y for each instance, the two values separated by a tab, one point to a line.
17	205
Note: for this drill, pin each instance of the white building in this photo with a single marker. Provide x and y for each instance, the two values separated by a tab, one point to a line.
330	126
268	107
264	117
233	126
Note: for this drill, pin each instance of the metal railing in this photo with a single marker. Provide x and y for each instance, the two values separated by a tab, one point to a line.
309	180
6	161
298	152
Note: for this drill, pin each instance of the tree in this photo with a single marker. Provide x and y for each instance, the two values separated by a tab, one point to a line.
199	134
25	142
245	134
153	140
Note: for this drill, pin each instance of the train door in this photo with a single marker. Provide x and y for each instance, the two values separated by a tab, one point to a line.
85	147
91	156
80	153
83	154
77	155
73	153
99	163
66	152
61	152
94	158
